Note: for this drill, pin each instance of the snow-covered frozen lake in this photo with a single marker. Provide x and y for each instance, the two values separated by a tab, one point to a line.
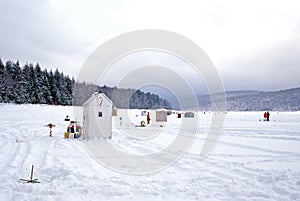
253	160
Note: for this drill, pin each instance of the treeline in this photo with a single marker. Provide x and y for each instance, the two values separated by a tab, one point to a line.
30	84
122	98
245	100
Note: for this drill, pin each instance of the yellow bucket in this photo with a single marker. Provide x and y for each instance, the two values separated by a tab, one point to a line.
67	134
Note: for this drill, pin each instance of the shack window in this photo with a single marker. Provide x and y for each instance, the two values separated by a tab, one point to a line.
99	114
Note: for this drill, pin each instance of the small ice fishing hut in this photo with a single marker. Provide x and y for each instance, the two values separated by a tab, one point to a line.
161	115
97	117
189	115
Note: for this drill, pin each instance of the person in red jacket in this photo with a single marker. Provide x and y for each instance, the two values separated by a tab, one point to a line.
148	118
265	116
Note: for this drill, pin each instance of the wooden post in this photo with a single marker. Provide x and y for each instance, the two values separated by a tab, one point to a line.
31	176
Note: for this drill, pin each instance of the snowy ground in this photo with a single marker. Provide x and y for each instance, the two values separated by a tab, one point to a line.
254	160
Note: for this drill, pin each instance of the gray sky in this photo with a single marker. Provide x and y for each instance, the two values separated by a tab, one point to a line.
254	44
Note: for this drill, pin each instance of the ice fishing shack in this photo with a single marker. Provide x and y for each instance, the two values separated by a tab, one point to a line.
161	115
97	117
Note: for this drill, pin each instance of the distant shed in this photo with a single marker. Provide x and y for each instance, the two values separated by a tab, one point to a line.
161	115
189	115
97	117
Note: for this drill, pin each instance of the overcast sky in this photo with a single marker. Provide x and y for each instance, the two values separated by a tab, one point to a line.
254	44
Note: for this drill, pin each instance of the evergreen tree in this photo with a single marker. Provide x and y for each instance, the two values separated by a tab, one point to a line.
53	88
11	76
26	82
66	94
34	97
38	89
45	88
3	96
22	88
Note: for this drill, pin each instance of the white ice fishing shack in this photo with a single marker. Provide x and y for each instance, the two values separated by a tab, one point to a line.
97	117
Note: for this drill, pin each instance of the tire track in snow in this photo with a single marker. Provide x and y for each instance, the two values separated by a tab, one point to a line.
9	154
13	168
253	148
238	176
